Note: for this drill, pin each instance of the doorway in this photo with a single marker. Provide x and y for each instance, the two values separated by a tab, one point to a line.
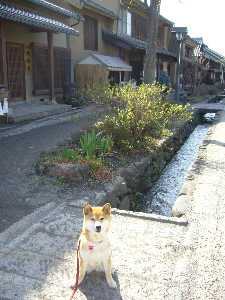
16	70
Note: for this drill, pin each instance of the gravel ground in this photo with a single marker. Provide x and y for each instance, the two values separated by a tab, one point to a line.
151	260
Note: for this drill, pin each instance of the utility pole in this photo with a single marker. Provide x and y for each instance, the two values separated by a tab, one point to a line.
152	35
181	33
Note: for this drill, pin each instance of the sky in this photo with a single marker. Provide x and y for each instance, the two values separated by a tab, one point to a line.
203	18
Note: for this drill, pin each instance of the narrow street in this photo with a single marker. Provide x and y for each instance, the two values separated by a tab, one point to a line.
120	102
21	189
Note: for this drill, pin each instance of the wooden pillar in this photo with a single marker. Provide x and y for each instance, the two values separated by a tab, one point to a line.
3	51
69	66
51	66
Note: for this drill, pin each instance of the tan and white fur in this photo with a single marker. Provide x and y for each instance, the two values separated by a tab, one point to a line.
95	249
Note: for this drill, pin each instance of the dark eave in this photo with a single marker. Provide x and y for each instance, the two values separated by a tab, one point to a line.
167	53
123	40
127	42
190	41
209	53
56	8
15	14
212	55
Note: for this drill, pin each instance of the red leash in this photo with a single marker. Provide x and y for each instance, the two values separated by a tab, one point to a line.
75	286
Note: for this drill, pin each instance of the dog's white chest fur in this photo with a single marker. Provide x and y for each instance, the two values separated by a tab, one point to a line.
96	255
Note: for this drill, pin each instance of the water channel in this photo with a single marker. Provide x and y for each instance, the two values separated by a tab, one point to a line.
161	197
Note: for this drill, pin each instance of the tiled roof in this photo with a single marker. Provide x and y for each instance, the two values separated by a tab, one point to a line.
26	17
128	42
209	53
97	5
59	9
124	40
112	63
166	52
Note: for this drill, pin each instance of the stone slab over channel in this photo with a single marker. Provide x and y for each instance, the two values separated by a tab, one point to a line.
27	111
39	263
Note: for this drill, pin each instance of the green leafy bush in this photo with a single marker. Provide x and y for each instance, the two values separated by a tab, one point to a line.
94	145
143	119
64	155
100	93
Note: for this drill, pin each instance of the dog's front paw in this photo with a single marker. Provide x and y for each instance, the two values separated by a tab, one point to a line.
112	284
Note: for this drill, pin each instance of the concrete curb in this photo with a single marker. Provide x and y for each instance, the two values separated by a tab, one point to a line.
151	217
145	216
22	225
40	115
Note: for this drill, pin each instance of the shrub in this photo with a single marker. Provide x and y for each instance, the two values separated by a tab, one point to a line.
145	117
100	93
68	154
64	155
94	145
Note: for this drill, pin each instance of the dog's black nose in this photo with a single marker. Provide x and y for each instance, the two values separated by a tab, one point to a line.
98	228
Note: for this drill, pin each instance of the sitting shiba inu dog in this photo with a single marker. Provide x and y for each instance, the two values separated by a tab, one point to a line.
95	250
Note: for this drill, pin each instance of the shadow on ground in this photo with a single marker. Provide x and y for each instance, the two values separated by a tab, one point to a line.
95	287
218	143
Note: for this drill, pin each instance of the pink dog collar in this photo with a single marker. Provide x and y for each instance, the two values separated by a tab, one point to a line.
90	247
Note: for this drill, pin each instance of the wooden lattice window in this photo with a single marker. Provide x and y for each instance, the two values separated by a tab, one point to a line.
62	68
40	69
15	68
90	33
160	42
139	26
1	64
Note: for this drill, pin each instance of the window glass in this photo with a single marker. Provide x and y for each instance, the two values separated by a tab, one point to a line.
128	23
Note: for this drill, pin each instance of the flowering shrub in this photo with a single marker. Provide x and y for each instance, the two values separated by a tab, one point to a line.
100	93
144	117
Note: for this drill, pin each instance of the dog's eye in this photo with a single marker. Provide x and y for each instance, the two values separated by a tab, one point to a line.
92	219
101	219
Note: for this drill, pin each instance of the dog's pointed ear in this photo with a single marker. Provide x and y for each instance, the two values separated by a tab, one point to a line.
107	209
87	209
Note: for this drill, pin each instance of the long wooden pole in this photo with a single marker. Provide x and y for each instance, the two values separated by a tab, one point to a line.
4	58
51	66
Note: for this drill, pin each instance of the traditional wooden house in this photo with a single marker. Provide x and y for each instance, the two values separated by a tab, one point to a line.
35	55
211	65
130	38
189	64
101	69
94	58
215	66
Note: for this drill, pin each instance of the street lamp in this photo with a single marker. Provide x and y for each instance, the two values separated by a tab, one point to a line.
180	32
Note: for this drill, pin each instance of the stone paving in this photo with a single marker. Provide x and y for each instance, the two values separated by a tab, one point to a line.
200	271
26	111
151	260
39	263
